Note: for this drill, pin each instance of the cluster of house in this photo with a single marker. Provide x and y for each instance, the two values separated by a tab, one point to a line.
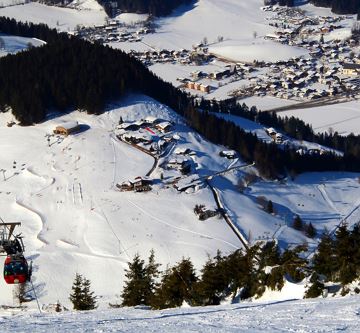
138	184
197	56
112	31
150	57
277	137
146	132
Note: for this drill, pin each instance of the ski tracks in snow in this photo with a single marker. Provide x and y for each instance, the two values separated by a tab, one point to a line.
179	228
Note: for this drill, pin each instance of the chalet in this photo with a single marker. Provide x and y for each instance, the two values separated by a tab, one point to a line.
351	69
179	164
182	151
164	126
270	131
278	138
67	128
138	184
204	88
230	154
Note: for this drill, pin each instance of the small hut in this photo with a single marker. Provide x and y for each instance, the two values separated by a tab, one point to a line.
67	128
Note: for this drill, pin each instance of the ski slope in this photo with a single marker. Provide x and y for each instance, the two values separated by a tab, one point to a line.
315	315
74	220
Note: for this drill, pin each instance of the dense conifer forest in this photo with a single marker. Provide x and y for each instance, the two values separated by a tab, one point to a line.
152	7
69	72
339	6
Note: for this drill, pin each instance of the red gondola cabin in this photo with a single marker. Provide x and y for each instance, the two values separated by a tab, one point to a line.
16	270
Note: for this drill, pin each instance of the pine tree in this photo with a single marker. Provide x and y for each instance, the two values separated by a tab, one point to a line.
177	286
298	223
324	260
270	208
151	274
82	297
214	284
76	295
310	231
135	287
88	298
316	288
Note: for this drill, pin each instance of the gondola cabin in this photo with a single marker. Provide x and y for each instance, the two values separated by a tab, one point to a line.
16	269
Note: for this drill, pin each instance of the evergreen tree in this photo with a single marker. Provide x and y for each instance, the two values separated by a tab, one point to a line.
88	298
82	297
214	283
310	231
135	289
316	288
298	223
177	286
269	207
76	295
324	261
151	274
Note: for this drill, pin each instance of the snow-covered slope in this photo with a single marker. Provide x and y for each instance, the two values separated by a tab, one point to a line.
319	315
343	118
63	19
14	44
74	219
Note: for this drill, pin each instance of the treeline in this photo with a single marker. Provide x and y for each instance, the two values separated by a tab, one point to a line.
152	7
27	29
294	127
244	274
68	73
339	6
271	160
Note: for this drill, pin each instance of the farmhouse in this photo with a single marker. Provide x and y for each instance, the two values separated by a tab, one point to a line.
138	184
164	126
67	128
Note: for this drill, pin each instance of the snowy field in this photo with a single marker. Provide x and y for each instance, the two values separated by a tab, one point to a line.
63	19
259	49
315	315
343	118
14	44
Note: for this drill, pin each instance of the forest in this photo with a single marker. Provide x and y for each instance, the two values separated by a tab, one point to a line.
339	6
152	7
70	73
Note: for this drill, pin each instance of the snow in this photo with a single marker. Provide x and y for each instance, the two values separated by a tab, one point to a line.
260	50
131	18
75	220
14	44
343	118
63	19
315	315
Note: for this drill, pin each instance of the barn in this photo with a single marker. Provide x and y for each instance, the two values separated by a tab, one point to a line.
67	128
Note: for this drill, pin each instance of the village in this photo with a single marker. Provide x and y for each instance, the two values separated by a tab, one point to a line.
330	68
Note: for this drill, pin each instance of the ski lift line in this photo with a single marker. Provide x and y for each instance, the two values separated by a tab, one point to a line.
37	300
